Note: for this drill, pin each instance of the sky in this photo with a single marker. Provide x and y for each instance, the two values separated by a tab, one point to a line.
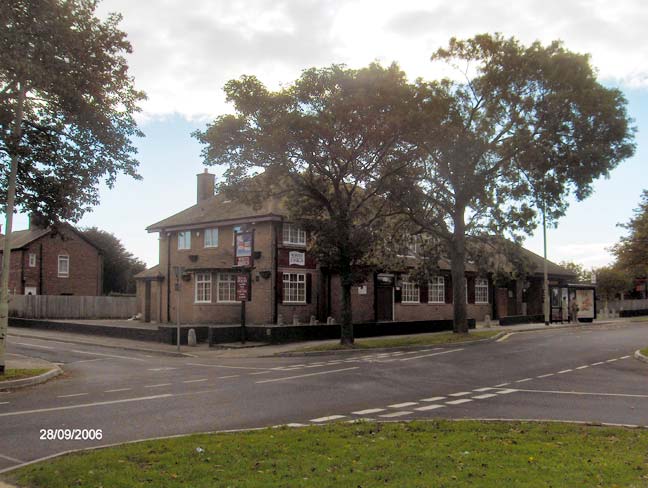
184	52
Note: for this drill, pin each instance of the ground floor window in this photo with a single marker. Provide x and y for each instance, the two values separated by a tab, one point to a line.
481	290
436	290
410	292
226	287
294	288
203	288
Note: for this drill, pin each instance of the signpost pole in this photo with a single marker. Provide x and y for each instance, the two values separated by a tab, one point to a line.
242	321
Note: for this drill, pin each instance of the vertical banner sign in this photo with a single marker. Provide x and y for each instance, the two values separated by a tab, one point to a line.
585	302
243	247
242	287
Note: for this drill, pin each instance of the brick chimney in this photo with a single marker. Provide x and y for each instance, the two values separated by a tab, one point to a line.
36	221
206	182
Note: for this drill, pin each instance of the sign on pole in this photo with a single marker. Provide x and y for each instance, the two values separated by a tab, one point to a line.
242	287
243	247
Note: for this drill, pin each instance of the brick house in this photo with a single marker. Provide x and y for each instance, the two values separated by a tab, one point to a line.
53	261
287	283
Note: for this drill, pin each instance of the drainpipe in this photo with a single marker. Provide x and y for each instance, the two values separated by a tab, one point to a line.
41	291
168	277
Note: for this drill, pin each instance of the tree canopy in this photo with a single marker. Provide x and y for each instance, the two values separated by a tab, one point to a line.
119	265
518	131
632	249
329	144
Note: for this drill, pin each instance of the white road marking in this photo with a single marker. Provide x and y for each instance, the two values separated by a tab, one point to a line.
596	364
525	379
230	376
433	399
33	345
624	357
107	355
488	388
4	403
195	381
502	384
13	460
484	396
402	405
461	393
227	367
611	360
583	367
261	372
330	417
157	386
459	402
292	424
165	368
429	407
545	375
564	371
116	390
85	405
506	391
306	375
72	395
430	355
504	337
587	393
395	414
368	411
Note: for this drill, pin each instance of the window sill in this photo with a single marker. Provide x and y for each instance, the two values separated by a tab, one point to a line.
294	244
410	303
63	276
210	247
294	303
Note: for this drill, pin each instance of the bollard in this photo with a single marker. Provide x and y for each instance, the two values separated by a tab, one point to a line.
295	320
279	319
487	320
191	338
313	320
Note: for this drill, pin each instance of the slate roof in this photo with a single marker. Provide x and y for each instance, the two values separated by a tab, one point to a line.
151	273
21	238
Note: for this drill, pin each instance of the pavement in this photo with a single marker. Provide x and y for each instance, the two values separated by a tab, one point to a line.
581	373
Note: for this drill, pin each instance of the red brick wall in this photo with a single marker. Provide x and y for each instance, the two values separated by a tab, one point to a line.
362	306
85	266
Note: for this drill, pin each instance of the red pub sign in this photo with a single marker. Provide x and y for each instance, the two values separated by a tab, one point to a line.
242	287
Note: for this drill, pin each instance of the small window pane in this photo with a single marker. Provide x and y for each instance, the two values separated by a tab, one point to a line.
436	290
203	287
409	292
481	290
293	235
63	266
294	288
184	240
211	237
226	287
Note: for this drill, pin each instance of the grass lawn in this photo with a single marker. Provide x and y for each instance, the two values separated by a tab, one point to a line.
416	454
417	340
17	374
644	351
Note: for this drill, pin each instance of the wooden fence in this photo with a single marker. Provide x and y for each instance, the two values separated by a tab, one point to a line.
71	307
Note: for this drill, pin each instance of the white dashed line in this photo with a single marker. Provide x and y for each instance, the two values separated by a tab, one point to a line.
611	360
523	380
461	393
307	375
261	372
502	384
484	396
368	411
73	395
402	405
107	355
429	407
196	381
583	367
116	390
433	399
596	364
430	355
484	389
158	385
506	391
33	345
459	402
330	417
4	403
624	357
395	414
230	376
564	371
545	375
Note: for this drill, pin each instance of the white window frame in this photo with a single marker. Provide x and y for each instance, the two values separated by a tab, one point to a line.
481	285
184	240
228	280
294	288
203	288
213	237
293	235
32	260
436	290
408	291
63	273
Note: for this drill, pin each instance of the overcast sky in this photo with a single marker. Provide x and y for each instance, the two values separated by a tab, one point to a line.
184	52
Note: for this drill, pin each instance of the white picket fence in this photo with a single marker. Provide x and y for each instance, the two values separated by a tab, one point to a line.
71	307
618	305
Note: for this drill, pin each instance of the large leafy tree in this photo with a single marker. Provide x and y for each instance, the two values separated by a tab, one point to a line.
119	265
329	143
66	112
632	250
519	129
612	282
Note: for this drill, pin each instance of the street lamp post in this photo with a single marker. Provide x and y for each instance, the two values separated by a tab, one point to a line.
546	273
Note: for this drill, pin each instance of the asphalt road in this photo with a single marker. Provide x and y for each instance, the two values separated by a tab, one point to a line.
579	374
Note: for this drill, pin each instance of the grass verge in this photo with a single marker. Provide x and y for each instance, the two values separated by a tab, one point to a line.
644	351
417	340
18	374
416	454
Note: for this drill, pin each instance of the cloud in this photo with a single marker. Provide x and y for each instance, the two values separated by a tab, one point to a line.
184	52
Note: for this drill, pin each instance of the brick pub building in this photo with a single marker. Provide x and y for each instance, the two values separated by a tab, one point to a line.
195	279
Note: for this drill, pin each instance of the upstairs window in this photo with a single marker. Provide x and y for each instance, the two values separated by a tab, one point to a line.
184	240
293	235
63	266
436	290
32	260
211	237
481	290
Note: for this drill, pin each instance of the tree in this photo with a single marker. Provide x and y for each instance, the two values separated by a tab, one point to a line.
632	250
523	128
579	270
329	144
119	265
66	112
611	282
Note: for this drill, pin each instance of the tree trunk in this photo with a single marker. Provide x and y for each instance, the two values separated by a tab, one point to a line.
458	267
346	328
6	255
